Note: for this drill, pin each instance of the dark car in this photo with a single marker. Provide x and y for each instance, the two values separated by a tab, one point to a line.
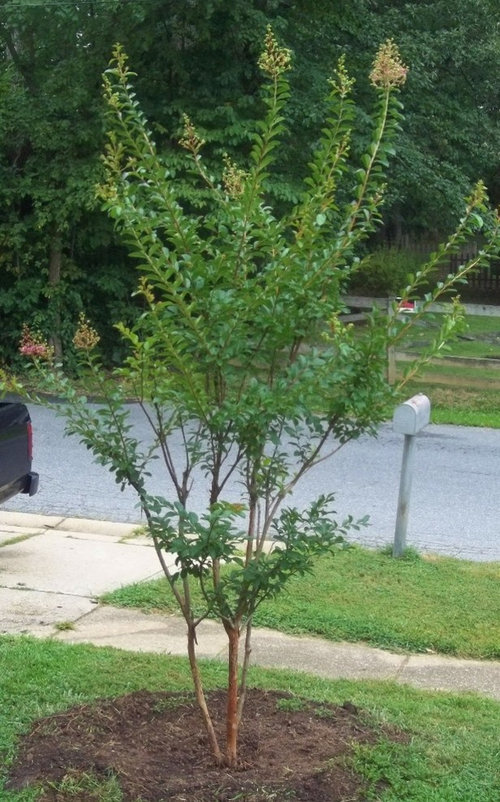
16	439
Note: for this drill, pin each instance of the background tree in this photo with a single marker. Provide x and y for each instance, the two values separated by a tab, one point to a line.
58	253
241	351
451	136
49	163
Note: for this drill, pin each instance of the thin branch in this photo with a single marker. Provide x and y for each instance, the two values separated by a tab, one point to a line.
244	670
309	463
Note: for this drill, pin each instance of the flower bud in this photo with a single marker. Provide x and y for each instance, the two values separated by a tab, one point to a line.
388	70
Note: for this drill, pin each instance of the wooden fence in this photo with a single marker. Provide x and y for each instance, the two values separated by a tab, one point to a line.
483	284
485	280
359	303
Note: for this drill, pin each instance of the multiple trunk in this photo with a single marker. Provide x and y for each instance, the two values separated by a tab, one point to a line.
235	695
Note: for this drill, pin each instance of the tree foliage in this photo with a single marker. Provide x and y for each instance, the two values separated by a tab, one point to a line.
57	251
241	356
58	254
451	136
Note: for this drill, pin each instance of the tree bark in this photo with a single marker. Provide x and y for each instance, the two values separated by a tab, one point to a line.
244	670
232	719
200	696
55	265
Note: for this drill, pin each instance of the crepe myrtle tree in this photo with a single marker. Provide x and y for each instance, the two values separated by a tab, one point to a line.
240	353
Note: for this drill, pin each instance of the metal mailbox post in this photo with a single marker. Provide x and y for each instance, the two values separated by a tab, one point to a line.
408	419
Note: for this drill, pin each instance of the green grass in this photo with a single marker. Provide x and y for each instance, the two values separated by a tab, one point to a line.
480	339
452	753
458	375
459	405
416	604
460	394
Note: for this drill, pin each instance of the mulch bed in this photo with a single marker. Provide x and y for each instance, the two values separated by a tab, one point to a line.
155	746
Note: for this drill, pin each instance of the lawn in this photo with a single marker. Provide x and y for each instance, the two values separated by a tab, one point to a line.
450	755
418	604
464	395
480	339
458	404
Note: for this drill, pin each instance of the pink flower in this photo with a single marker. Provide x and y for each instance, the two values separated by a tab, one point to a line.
34	345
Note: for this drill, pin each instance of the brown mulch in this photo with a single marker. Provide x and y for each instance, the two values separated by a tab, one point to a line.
155	747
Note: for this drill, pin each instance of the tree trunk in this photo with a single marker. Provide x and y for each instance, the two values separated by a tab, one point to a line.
232	719
55	264
244	670
200	696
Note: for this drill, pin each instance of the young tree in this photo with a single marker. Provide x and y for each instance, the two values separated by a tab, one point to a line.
241	352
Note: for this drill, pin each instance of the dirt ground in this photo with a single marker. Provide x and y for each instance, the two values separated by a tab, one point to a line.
154	747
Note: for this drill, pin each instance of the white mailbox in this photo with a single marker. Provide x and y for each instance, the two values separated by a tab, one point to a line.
411	416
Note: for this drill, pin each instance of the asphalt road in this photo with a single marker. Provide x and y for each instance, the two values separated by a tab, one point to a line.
455	500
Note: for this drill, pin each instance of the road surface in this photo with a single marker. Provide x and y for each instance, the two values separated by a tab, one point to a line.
454	505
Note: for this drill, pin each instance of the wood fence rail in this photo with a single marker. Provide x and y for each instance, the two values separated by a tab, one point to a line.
355	302
366	302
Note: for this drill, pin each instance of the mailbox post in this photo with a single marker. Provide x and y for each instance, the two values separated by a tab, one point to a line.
409	418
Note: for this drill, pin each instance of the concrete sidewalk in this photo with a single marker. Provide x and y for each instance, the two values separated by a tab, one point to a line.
52	570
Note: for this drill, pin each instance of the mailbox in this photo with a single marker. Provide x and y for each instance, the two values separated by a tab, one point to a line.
411	416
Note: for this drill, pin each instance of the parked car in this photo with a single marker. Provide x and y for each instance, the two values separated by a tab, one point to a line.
16	442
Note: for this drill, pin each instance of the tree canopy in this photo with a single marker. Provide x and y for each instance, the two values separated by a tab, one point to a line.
58	253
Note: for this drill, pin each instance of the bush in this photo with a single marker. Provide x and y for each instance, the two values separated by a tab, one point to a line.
386	271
